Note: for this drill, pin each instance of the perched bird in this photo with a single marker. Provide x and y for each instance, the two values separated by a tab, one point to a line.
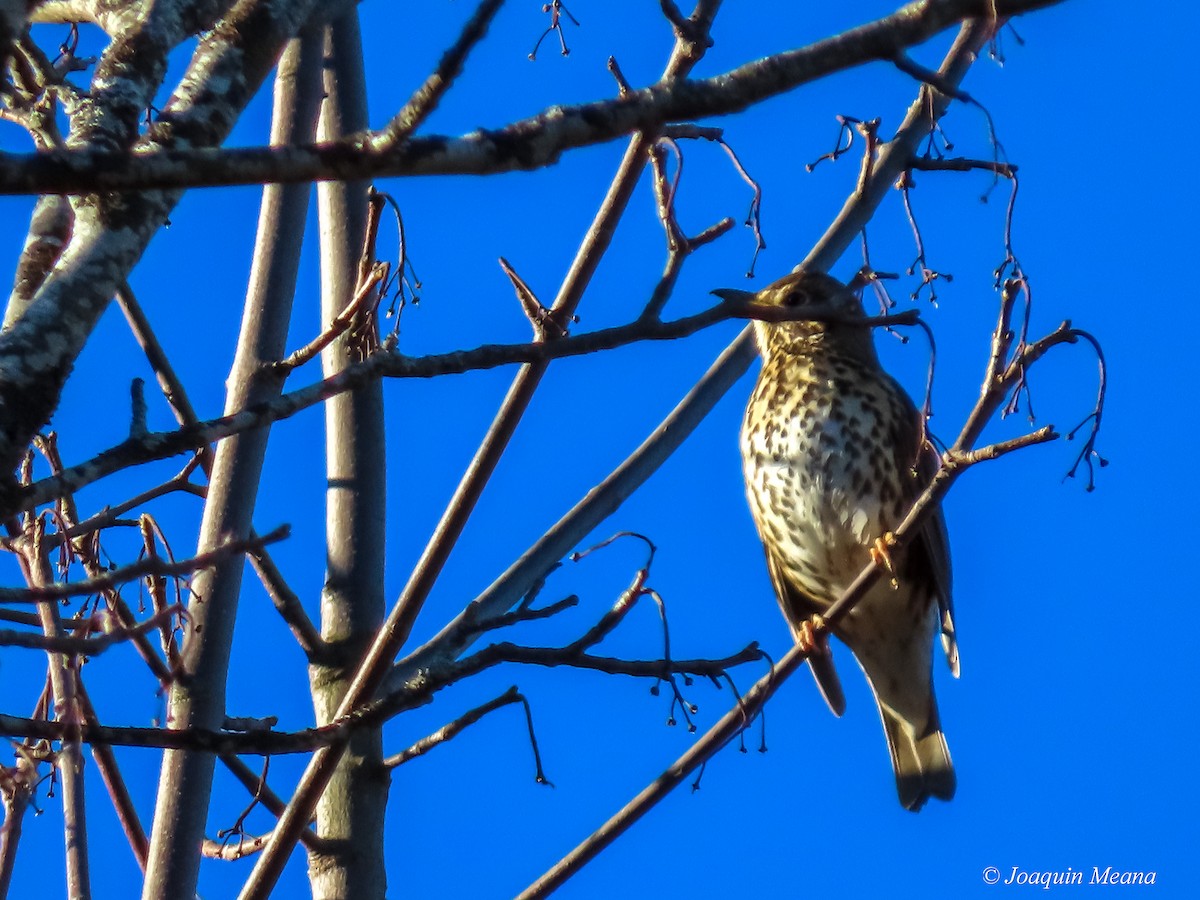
834	454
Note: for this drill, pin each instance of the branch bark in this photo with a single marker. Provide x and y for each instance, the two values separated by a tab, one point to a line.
198	698
350	814
112	230
527	144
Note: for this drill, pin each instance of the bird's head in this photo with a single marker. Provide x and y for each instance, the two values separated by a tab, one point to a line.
836	323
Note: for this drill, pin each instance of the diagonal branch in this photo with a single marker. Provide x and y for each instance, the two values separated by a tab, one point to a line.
425	99
282	596
451	730
118	791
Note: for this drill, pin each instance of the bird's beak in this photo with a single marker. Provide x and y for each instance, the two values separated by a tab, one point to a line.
733	295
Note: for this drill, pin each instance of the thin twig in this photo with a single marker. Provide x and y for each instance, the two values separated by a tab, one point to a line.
157	586
962	164
569	657
257	785
111	515
284	599
426	98
89	646
928	275
936	80
1088	454
110	774
149	566
366	295
544	322
451	730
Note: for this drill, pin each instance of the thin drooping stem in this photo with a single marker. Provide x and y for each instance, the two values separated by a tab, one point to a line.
255	783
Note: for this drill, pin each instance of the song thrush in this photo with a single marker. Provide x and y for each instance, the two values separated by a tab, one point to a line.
834	453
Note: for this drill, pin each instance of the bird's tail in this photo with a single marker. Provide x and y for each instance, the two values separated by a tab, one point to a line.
922	762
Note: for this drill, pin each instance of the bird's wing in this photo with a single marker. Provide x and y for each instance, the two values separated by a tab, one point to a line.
798	608
929	557
932	550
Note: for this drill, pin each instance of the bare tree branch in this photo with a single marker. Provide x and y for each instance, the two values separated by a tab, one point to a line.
238	55
451	730
351	811
161	445
426	98
527	144
153	565
110	773
89	646
67	712
268	573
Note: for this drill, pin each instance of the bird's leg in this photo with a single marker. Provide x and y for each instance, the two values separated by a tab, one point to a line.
881	556
813	636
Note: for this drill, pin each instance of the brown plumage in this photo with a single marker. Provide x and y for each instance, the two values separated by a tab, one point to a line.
833	459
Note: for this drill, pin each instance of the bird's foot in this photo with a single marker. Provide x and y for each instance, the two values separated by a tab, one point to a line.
813	636
881	555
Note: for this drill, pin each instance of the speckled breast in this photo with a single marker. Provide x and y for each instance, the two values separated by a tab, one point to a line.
819	450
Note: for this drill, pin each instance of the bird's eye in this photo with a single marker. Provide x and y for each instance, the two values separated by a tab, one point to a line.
794	297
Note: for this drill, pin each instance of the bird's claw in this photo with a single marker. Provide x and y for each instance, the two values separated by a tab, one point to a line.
881	556
812	635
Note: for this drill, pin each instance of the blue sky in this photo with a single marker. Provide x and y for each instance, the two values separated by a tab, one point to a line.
1071	723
